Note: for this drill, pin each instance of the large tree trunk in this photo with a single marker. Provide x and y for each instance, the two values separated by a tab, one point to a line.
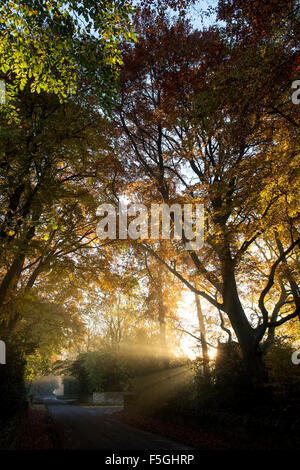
246	335
13	274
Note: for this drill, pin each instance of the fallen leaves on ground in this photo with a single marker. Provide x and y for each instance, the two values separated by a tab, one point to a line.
36	431
195	437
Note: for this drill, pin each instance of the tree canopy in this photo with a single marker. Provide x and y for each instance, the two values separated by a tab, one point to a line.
111	101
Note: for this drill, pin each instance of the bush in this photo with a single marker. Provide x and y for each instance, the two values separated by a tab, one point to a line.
284	375
12	386
228	386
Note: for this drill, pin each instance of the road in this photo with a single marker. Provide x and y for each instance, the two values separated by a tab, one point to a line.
95	428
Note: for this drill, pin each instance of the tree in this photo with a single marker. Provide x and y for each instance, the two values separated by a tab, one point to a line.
191	136
45	46
47	213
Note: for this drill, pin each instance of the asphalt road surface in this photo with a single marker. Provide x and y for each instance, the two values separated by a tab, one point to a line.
89	428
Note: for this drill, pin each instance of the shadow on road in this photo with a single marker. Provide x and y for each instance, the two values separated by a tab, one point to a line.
95	428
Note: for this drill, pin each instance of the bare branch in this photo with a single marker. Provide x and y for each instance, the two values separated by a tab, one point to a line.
180	277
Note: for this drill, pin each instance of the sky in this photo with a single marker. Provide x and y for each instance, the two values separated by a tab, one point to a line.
197	18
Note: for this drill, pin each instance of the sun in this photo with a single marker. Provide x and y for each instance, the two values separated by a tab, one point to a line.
188	347
212	354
